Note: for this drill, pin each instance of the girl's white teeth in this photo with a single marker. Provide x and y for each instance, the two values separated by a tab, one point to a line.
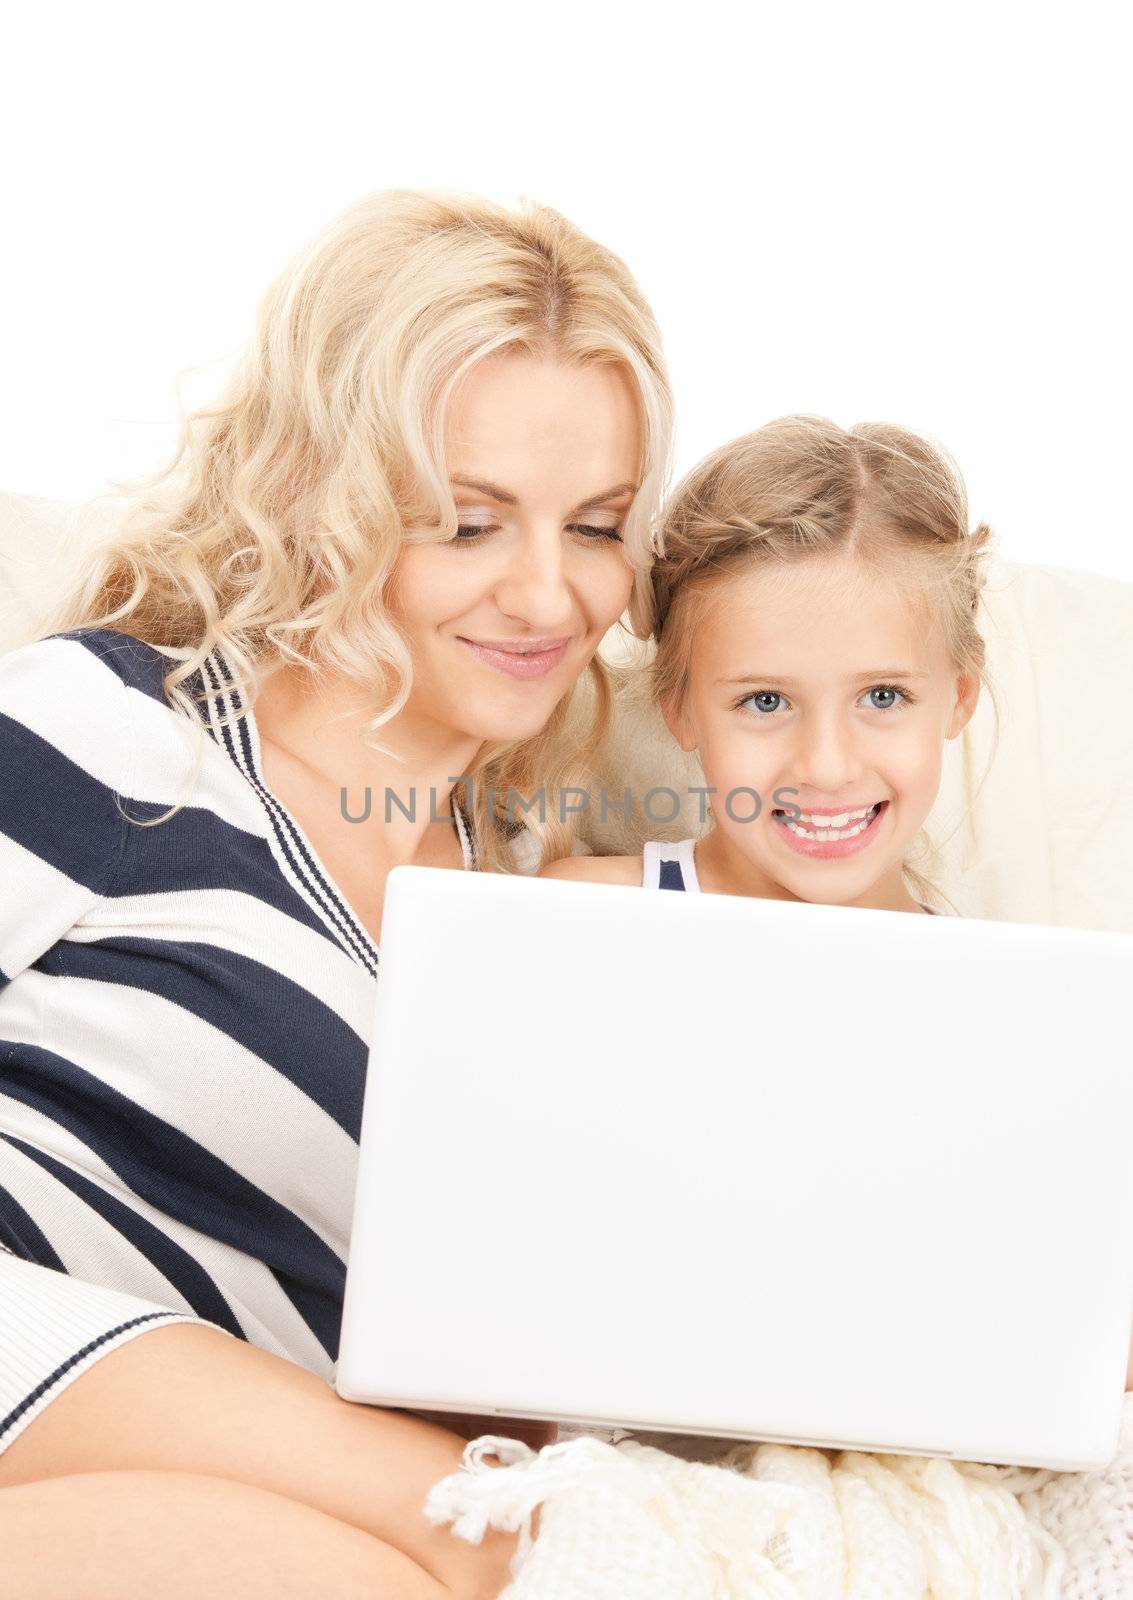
829	829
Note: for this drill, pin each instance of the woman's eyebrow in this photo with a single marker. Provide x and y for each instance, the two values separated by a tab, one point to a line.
866	672
506	498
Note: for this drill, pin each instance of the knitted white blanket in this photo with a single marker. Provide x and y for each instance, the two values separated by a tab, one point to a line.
626	1520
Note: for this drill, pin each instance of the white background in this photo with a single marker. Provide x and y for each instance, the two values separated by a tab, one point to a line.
871	211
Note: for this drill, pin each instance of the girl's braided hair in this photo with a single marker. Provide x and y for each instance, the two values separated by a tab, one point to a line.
803	486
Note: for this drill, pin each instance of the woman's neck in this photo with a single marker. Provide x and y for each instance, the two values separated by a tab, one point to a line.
317	724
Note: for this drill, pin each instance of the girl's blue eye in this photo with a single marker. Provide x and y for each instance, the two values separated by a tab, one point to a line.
763	695
886	689
768	701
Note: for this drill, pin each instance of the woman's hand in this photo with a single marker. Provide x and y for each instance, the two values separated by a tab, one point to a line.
470	1426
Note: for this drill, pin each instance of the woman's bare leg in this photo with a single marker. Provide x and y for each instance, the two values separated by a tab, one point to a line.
136	1535
190	1399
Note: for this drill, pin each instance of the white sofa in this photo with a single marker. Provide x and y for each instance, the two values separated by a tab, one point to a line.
1039	829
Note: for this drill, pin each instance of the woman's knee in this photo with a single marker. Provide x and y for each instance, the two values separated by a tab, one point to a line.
187	1399
133	1535
93	1421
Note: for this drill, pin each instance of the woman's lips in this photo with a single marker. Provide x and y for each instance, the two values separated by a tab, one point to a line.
831	849
519	663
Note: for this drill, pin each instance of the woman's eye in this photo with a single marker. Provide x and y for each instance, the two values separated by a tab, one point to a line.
759	701
593	533
469	532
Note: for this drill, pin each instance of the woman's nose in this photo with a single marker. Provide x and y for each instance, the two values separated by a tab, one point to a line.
533	587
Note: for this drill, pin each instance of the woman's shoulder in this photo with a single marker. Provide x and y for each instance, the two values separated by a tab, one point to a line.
91	664
596	869
67	690
67	752
87	700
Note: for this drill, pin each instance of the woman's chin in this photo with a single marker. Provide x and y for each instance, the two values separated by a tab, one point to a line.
509	730
494	723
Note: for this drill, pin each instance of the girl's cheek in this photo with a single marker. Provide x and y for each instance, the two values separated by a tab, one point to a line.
736	764
920	761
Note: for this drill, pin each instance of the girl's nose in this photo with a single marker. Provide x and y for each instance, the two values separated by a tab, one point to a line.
826	761
533	588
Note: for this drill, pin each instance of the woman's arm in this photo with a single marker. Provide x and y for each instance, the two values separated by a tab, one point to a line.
469	1425
596	869
65	741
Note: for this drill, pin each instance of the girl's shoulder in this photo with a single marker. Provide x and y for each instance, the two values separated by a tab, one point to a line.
596	869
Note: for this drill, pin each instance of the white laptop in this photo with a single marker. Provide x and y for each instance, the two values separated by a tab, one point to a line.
745	1168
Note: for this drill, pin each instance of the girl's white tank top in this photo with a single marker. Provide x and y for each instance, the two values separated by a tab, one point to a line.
669	865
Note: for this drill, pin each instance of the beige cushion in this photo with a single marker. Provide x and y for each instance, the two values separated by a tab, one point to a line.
42	547
1039	829
1041	833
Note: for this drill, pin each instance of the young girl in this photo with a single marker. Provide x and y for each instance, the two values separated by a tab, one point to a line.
816	643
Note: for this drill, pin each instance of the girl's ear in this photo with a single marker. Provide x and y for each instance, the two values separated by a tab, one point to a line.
678	725
967	698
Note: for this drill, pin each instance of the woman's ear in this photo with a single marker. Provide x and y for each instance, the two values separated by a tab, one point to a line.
967	698
677	723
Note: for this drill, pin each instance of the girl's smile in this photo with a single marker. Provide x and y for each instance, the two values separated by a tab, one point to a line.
845	833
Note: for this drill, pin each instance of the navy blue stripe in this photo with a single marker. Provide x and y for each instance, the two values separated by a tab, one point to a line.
467	832
137	664
671	876
23	1235
70	819
288	835
215	984
55	809
180	1177
41	1389
176	1265
196	849
342	921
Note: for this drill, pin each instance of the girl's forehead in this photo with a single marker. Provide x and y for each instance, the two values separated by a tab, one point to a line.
817	616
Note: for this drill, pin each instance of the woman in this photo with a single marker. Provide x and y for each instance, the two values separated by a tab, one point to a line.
382	561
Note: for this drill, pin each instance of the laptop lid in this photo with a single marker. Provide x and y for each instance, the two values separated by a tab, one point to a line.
746	1168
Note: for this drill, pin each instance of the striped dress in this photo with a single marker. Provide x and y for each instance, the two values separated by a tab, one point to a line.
184	1017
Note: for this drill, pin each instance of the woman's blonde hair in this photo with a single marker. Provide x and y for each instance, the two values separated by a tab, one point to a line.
803	487
273	530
